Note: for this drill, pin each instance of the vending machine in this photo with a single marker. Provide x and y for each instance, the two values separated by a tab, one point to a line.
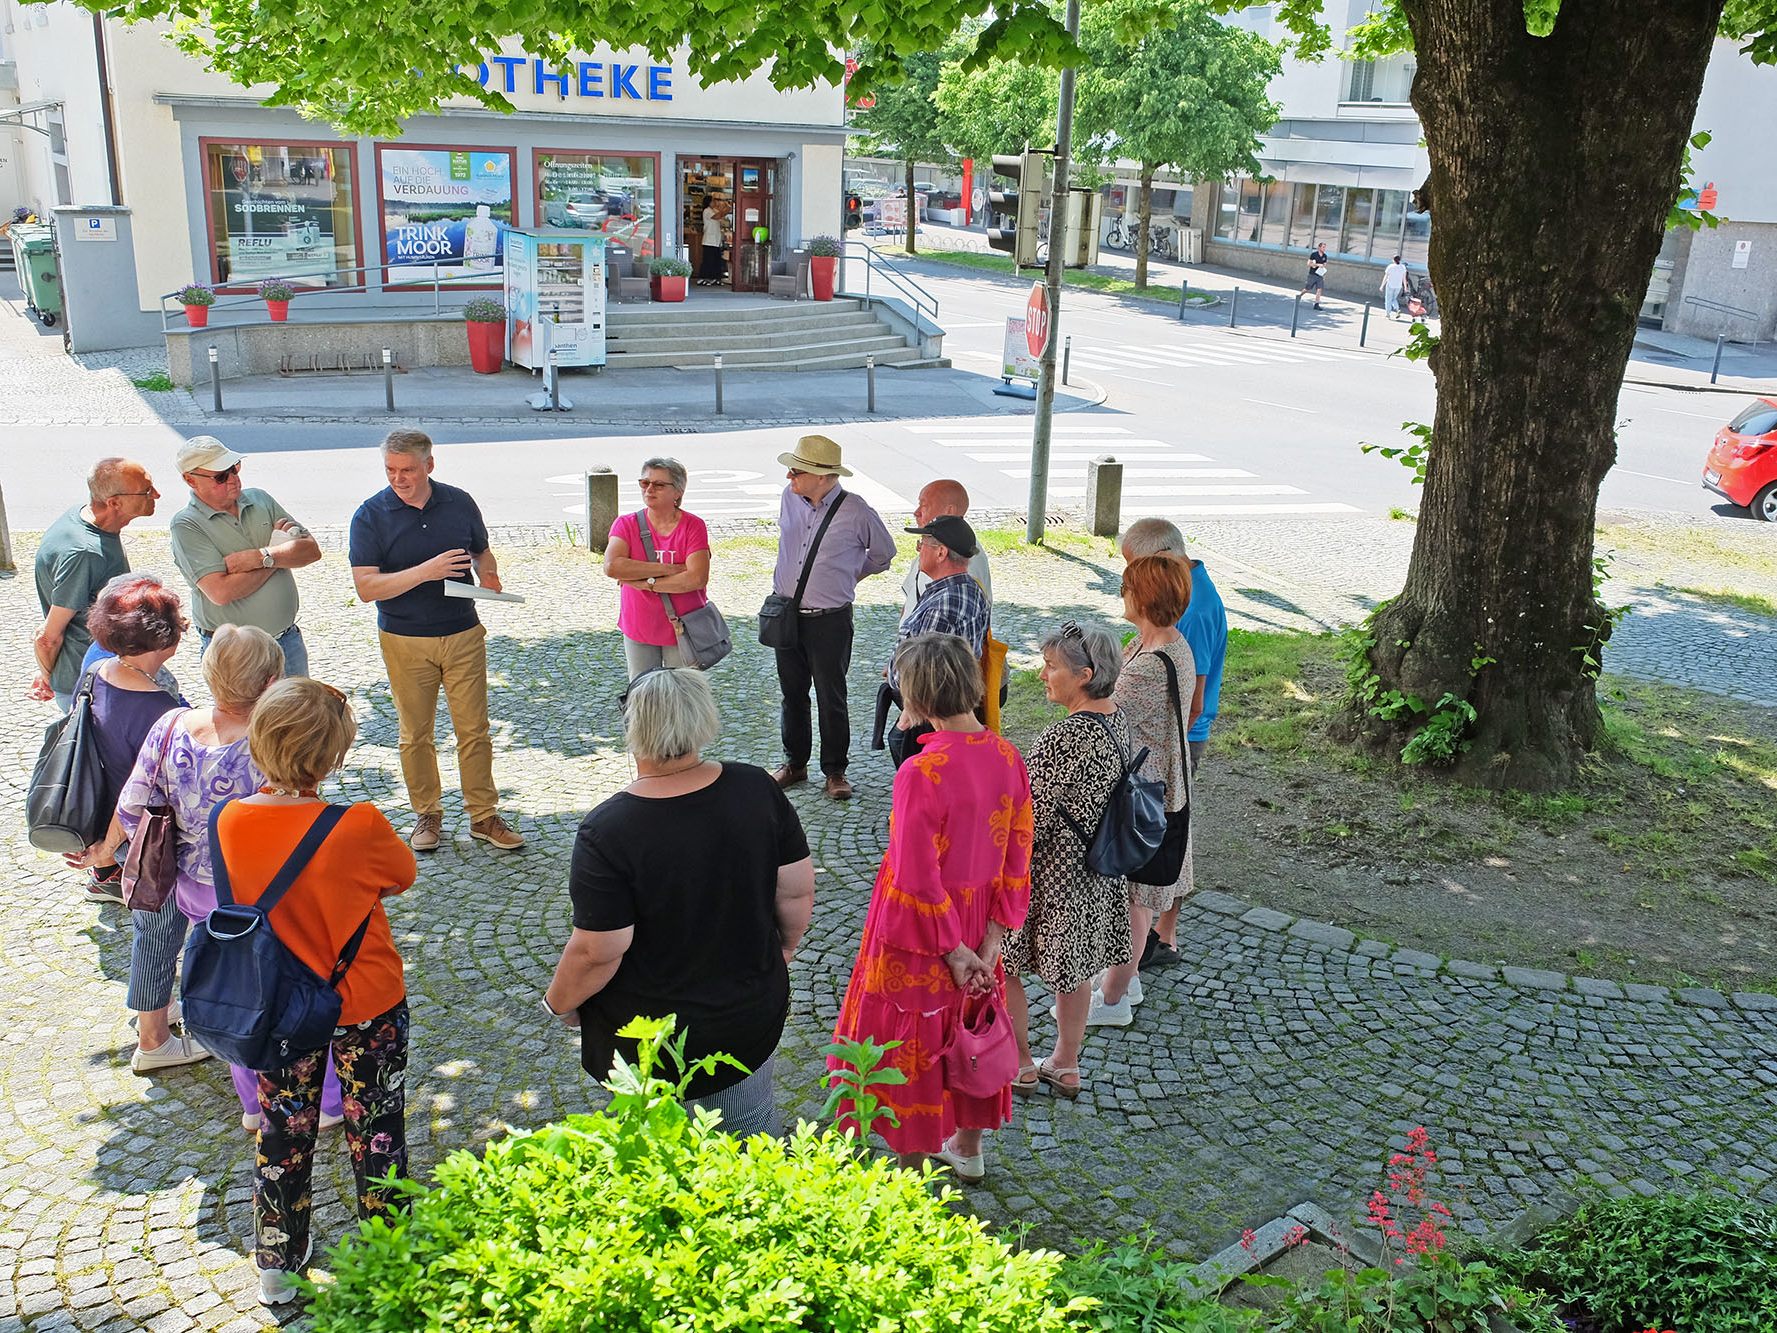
555	297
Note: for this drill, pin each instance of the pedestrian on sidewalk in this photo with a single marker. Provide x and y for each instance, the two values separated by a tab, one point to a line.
952	603
1394	282
1205	628
407	541
1316	282
855	544
679	568
80	553
236	547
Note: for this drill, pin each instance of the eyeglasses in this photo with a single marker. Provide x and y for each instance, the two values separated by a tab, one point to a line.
797	472
657	485
118	495
338	694
227	474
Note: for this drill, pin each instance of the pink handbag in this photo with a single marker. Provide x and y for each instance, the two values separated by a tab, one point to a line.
982	1060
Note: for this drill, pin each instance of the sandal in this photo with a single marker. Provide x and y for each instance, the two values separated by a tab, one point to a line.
1025	1086
1052	1076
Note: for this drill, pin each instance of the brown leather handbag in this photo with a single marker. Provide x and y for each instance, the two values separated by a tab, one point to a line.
152	865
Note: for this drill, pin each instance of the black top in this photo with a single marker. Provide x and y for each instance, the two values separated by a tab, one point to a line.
122	720
393	535
696	876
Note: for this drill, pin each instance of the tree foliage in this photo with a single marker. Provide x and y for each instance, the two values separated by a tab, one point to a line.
903	123
996	107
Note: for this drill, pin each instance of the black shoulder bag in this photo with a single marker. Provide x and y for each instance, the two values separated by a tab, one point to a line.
65	803
1169	859
1133	822
778	627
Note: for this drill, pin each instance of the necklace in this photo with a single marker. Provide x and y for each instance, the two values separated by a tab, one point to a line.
270	790
671	772
152	680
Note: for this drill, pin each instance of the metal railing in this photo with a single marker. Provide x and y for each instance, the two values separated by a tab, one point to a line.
171	310
878	269
1732	311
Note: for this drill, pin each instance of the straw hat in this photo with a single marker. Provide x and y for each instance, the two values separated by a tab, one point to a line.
815	453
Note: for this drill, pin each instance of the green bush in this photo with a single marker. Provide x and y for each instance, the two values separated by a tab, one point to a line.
484	310
1700	1263
827	247
669	266
645	1218
1134	1289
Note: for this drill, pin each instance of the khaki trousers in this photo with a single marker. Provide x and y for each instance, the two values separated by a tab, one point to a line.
418	666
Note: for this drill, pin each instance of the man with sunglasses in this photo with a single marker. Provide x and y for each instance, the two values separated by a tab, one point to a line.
236	547
80	553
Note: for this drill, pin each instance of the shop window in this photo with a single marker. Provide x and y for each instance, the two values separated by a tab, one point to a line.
283	210
1416	239
1227	211
1181	206
1389	80
1277	212
1391	209
606	193
1354	239
1252	195
445	212
1302	232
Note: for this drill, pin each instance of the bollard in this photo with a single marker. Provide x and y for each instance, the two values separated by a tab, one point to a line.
1067	355
1364	330
215	378
389	379
870	382
1233	305
1104	495
718	360
601	506
1715	370
554	380
7	564
1184	290
1296	312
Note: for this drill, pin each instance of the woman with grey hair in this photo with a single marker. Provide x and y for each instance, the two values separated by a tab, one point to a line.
701	926
659	549
1078	922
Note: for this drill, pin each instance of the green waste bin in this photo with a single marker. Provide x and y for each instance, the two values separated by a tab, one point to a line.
34	256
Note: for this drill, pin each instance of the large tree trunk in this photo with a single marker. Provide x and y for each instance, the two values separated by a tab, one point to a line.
1144	209
1554	161
913	213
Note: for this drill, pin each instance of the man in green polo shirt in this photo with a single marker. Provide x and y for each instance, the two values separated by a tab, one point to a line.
236	547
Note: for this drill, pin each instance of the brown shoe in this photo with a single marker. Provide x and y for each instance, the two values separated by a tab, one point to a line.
789	775
428	832
837	787
497	833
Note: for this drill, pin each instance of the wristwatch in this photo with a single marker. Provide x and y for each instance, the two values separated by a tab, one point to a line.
650	580
265	560
556	1013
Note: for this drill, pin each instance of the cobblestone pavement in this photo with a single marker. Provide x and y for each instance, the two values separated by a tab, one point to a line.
1275	1065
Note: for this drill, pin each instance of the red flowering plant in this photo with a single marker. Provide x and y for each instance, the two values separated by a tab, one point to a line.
1417	1285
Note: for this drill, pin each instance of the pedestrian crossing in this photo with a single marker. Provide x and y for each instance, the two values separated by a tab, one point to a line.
1158	478
1129	358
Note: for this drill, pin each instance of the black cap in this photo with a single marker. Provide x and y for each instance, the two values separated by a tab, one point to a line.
952	532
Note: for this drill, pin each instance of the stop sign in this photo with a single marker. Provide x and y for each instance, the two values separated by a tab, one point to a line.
1036	319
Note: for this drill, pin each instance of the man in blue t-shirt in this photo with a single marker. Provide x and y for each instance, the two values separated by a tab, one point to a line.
1205	627
407	542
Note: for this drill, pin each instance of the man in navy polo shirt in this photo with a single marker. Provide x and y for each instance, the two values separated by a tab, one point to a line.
407	540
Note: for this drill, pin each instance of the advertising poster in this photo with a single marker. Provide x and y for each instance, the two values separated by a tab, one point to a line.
277	215
447	207
1016	362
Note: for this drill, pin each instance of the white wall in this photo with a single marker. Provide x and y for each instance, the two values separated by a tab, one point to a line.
1739	108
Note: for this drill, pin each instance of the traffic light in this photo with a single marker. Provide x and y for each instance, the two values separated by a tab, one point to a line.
1018	205
854	210
1085	215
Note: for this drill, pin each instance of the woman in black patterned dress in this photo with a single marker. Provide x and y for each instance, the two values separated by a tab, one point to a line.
1079	921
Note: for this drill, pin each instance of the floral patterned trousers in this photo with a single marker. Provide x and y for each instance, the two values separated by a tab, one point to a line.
371	1059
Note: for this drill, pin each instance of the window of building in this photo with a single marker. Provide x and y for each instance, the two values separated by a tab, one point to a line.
445	212
1252	196
1391	208
1228	211
286	210
1358	223
1302	232
1354	239
609	193
1277	213
1416	239
1389	80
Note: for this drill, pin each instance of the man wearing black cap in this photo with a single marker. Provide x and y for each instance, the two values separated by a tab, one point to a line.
952	603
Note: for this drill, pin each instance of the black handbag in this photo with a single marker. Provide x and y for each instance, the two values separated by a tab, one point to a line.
1169	860
702	631
778	623
1133	821
65	806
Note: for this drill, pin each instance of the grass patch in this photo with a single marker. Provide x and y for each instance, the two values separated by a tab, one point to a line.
1737	551
158	382
1400	515
1740	601
1093	282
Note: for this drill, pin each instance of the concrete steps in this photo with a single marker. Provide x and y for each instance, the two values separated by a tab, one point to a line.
785	335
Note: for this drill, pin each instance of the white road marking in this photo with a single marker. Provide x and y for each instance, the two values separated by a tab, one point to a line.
1242	511
1654	476
1082	455
1206	473
1163	492
1023	424
1288	407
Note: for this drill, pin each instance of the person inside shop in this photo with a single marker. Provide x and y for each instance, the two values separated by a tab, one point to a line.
713	268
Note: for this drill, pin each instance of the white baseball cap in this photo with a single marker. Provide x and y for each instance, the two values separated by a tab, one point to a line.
206	453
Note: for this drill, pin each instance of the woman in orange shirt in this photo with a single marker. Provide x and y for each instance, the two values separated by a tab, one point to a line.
300	732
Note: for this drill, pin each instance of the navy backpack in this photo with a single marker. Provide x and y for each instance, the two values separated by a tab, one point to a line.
247	997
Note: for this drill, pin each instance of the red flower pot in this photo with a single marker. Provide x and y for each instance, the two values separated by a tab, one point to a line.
487	345
197	316
822	269
280	311
667	286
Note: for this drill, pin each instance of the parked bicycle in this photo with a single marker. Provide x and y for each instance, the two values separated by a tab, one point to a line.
1162	237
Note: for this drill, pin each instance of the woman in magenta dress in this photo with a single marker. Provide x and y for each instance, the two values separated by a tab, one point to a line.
955	879
679	567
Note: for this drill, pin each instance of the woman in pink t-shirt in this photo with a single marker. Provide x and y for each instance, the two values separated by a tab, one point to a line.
680	567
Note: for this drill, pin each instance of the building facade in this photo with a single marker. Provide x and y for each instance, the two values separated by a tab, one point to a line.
225	191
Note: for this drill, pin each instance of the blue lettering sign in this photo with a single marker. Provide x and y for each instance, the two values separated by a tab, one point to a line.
660	83
586	79
592	79
540	74
620	80
510	65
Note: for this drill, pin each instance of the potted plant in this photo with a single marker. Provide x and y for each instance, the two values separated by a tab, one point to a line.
197	301
485	318
666	277
823	264
277	295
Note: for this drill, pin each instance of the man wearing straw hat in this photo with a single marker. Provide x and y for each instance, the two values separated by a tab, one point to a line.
854	545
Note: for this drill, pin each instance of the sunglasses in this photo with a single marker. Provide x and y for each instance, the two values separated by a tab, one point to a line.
227	474
797	472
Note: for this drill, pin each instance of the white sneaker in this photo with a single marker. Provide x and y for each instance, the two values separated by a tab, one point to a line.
329	1121
277	1286
966	1166
250	1121
174	1051
1102	1015
1134	991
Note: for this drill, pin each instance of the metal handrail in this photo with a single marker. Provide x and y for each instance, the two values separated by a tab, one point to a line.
903	283
169	306
1733	310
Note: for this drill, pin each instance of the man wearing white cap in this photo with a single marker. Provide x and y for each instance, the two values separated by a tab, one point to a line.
848	541
236	547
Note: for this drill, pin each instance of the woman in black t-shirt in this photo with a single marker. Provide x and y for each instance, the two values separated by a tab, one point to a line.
692	887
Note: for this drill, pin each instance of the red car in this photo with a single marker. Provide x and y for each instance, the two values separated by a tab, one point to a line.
1742	466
